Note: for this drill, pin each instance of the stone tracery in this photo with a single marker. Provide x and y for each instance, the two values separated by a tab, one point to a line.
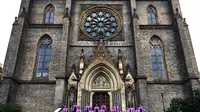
101	82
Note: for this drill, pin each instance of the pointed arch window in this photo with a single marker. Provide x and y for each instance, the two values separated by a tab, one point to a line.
157	58
49	14
152	15
43	57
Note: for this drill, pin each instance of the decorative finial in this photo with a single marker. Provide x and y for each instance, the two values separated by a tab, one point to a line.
23	13
16	21
66	13
177	10
82	53
134	10
73	68
184	19
119	53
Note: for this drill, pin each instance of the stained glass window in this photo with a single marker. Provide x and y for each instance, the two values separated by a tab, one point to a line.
152	16
100	23
157	58
49	14
44	57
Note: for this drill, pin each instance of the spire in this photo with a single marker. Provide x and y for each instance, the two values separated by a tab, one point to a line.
120	62
81	63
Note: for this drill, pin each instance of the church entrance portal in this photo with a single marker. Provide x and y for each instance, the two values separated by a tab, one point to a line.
101	98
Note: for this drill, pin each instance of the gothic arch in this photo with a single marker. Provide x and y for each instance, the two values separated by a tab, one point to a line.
108	71
152	14
43	57
49	13
45	36
158	61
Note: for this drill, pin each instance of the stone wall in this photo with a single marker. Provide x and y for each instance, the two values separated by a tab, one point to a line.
162	8
38	8
35	97
170	91
89	46
170	52
27	70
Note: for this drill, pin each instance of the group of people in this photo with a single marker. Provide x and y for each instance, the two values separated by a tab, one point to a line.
88	108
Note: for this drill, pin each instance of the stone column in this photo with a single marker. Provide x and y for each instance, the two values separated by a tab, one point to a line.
61	85
60	91
142	92
141	83
175	4
17	34
184	44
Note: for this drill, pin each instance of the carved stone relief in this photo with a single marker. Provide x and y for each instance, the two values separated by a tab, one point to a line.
101	82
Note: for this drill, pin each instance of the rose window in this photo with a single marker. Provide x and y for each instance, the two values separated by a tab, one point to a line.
101	23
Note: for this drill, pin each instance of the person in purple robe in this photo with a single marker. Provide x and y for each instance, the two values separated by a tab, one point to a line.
96	108
91	110
126	110
102	109
65	109
78	109
137	109
141	108
131	109
116	108
112	109
87	108
74	107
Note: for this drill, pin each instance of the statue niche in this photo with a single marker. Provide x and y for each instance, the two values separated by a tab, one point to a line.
100	82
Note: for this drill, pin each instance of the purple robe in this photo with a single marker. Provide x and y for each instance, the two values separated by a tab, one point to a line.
141	109
96	109
126	110
78	110
102	110
116	109
91	111
65	110
131	110
87	108
104	107
74	108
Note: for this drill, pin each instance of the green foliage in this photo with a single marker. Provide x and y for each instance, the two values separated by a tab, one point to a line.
192	104
9	108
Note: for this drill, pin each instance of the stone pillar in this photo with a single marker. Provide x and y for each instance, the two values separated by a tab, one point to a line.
142	92
17	34
141	83
175	4
60	91
184	44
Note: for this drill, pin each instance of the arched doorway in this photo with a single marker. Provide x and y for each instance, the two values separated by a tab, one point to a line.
101	98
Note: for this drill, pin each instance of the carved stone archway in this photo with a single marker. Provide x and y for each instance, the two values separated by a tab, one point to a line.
101	66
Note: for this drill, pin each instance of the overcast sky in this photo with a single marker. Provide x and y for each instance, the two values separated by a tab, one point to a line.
9	9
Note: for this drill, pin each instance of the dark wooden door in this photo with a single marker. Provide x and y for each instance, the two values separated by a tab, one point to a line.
101	98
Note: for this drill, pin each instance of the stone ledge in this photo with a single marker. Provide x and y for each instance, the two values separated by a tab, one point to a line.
155	26
151	0
194	77
46	26
34	81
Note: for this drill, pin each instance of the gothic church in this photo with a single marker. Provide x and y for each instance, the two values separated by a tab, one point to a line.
112	52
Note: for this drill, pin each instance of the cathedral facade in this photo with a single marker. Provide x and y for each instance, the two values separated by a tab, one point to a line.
112	52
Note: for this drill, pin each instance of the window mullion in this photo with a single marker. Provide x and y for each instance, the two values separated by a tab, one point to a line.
43	60
158	69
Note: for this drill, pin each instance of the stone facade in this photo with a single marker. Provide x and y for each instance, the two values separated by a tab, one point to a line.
124	61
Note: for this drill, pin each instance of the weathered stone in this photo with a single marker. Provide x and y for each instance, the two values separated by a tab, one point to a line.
20	86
